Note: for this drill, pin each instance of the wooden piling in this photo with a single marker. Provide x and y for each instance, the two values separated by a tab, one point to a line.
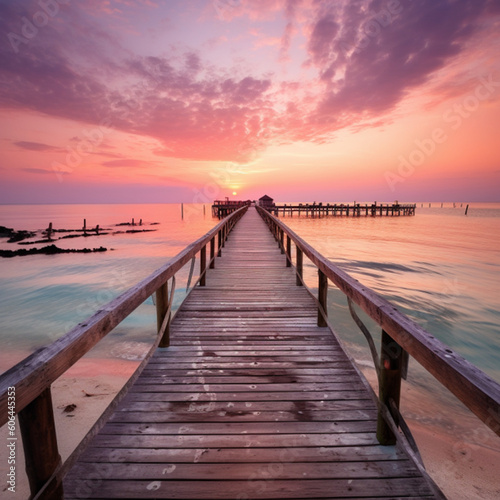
203	265
161	310
38	430
322	297
212	253
299	257
390	369
288	251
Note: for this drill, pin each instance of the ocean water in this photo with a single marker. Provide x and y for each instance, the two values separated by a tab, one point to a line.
440	267
42	297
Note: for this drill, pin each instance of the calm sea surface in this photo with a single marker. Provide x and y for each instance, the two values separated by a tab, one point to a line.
440	267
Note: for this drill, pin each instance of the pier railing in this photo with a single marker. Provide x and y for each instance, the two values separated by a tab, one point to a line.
401	337
31	379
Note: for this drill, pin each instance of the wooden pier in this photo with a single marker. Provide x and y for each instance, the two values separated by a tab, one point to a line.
223	208
344	210
249	395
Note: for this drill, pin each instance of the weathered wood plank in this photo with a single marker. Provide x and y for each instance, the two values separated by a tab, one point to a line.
203	428
141	385
204	412
332	454
266	470
236	441
249	396
276	489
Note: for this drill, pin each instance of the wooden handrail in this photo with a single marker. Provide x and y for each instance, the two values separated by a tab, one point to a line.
33	376
474	388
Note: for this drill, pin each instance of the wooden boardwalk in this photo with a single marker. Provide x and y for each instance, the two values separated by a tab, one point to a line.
251	400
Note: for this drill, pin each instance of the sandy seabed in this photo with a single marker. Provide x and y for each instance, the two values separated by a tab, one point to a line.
463	470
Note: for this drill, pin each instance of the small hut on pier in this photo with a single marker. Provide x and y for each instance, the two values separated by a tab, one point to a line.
266	202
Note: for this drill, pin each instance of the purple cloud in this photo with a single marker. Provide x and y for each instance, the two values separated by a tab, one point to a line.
368	55
128	163
383	49
35	146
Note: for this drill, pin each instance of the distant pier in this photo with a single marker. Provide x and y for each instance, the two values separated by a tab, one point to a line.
222	208
336	209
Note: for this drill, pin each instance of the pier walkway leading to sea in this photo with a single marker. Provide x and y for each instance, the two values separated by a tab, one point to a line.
246	393
251	400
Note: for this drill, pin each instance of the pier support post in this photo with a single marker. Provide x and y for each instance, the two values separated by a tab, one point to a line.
288	251
322	296
299	264
203	266
161	310
212	253
38	431
391	364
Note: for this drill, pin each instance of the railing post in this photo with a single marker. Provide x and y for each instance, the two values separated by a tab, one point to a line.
322	296
299	266
288	251
38	431
203	265
224	228
161	310
282	240
219	242
391	362
212	253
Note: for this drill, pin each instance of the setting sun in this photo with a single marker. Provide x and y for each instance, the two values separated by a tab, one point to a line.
234	193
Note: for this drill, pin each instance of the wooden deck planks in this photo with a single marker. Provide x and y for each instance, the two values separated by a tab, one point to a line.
252	400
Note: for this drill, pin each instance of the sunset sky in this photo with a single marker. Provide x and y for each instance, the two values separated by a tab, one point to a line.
191	100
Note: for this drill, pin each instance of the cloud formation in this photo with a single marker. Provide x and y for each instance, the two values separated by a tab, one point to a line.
35	146
365	56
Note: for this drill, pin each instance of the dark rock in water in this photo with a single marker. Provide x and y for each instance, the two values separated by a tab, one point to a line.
132	231
86	235
36	242
6	232
48	250
13	235
140	230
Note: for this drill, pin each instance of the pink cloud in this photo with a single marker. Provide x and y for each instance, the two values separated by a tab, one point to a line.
198	111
